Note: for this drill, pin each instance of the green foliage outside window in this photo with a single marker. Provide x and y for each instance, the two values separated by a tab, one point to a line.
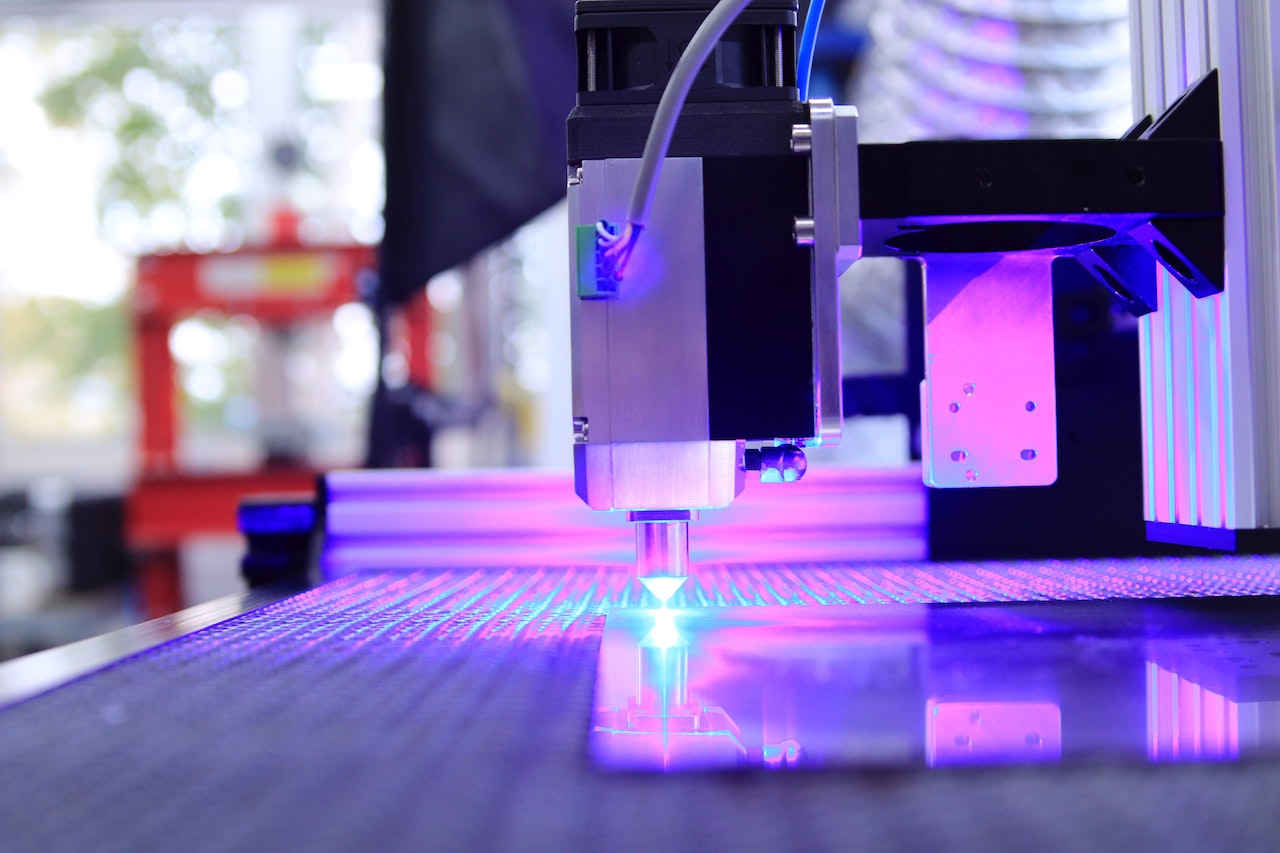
152	91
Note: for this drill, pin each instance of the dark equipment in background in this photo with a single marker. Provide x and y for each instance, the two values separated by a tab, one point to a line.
475	98
96	551
474	103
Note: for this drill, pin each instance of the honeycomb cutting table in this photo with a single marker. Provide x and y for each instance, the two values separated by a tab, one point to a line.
451	710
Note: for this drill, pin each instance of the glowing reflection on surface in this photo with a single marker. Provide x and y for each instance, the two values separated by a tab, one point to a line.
969	732
662	587
656	724
924	685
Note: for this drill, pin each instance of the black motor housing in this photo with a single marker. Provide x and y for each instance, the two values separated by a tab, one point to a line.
738	119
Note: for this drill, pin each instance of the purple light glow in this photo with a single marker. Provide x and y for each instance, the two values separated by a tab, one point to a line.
984	365
1190	722
675	705
423	519
839	536
807	685
960	732
1194	425
914	685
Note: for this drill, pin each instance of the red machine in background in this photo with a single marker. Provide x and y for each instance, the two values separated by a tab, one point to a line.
279	285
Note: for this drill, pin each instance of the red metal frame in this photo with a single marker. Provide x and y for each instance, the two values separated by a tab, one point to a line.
278	285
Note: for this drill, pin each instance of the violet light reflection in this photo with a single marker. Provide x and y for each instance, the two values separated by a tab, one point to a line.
899	685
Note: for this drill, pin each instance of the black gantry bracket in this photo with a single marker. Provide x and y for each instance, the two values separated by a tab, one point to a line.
1117	206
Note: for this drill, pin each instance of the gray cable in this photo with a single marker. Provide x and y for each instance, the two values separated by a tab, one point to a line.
672	102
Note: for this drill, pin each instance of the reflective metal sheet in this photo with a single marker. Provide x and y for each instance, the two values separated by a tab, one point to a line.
938	685
989	399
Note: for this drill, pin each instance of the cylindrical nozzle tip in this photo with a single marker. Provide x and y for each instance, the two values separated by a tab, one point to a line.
662	556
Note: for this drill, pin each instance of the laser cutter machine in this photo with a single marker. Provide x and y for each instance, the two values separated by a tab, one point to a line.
713	210
470	676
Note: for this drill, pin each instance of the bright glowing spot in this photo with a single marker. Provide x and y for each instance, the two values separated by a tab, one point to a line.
366	169
211	179
355	364
205	383
194	341
345	81
71	55
781	753
663	587
353	320
534	374
665	634
355	368
366	230
444	292
167	224
141	86
230	88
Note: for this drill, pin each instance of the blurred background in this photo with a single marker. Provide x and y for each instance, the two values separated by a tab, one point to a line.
244	242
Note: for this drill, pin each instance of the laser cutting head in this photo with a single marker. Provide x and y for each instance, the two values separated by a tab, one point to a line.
716	328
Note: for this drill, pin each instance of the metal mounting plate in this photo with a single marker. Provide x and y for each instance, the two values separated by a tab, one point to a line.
988	399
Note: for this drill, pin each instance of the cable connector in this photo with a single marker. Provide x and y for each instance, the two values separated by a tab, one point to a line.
599	272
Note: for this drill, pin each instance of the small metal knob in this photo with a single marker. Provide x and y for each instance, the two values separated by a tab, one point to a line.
784	463
804	230
801	139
